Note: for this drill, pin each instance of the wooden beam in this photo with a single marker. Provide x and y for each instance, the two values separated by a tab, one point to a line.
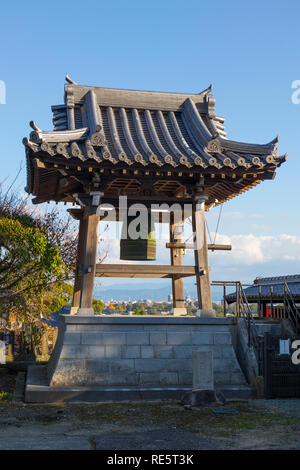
145	271
76	213
191	246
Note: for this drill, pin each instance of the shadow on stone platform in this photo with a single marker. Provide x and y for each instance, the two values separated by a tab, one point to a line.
38	391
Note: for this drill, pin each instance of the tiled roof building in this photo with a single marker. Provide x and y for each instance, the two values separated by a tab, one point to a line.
270	288
176	136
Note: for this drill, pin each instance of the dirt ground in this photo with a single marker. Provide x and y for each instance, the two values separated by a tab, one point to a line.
258	424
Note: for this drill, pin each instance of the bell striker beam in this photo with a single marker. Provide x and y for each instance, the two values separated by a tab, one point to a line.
201	255
176	260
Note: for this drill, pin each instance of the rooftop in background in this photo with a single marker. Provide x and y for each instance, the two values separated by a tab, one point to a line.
277	279
171	135
266	294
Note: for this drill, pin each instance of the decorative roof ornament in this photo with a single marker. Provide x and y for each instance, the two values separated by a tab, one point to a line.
206	91
98	139
214	146
69	80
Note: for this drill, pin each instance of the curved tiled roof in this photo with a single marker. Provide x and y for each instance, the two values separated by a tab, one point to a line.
151	130
265	283
146	128
277	279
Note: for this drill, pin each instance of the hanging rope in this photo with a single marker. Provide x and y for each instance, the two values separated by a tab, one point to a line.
208	231
217	227
190	222
220	212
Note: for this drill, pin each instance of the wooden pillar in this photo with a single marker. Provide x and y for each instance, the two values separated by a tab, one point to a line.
264	309
176	227
271	301
89	245
201	257
259	304
224	299
82	217
238	300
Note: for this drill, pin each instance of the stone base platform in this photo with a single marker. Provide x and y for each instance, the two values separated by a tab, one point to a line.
37	391
99	358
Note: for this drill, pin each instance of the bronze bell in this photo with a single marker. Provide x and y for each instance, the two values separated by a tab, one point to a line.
142	248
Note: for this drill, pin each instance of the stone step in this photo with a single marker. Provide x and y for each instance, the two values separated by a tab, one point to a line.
37	391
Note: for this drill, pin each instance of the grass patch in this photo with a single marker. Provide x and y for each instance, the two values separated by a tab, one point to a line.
92	442
171	414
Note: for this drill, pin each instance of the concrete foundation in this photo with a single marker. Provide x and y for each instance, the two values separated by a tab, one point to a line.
101	357
179	311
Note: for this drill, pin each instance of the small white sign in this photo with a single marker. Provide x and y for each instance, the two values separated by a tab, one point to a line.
284	346
2	352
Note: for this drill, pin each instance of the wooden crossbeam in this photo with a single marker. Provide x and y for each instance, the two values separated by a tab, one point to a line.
145	271
190	246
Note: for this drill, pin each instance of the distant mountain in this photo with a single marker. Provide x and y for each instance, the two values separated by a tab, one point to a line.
158	294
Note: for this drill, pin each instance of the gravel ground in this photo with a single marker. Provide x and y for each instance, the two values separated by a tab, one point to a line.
255	424
290	406
90	426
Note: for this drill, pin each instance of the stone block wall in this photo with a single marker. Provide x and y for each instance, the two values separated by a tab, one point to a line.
141	351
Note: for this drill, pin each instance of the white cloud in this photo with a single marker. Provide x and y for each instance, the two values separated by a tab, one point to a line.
251	256
250	249
247	249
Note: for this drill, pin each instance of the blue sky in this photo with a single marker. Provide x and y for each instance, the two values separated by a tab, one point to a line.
249	51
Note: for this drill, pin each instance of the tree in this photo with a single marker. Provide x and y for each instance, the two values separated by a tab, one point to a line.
139	311
37	260
98	305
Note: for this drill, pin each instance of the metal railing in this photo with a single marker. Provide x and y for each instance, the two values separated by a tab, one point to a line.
290	308
243	311
254	339
226	284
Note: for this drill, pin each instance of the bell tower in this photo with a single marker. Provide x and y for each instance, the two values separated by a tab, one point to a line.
154	148
168	154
